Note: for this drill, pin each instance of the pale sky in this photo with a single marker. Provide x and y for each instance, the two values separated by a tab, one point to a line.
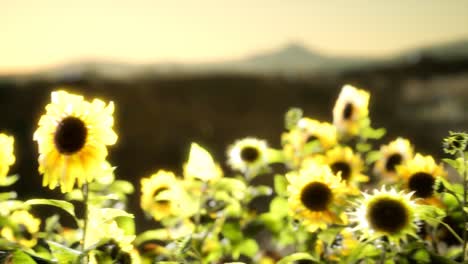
42	33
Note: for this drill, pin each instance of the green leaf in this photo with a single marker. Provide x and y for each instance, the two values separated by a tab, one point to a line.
127	224
329	235
431	214
112	213
373	133
63	254
155	234
9	180
296	257
279	206
233	186
66	206
183	244
232	231
20	257
441	259
421	256
292	117
373	156
456	164
280	184
273	222
248	247
363	147
275	156
7	196
312	147
121	186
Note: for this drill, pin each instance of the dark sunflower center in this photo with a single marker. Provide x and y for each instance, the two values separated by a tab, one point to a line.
70	135
343	167
113	250
393	161
387	215
348	111
311	138
316	196
157	192
24	232
249	154
422	184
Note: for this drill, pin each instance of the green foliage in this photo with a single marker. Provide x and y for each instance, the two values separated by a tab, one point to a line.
300	256
214	216
63	254
64	205
293	115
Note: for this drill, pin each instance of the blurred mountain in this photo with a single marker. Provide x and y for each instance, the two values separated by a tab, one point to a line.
292	59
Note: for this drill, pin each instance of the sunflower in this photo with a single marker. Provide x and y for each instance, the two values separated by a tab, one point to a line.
344	161
395	153
386	213
313	193
7	157
72	138
297	143
248	155
103	228
420	174
324	132
161	194
200	165
350	108
23	230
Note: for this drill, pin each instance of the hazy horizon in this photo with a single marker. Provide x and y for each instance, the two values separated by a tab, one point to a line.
43	34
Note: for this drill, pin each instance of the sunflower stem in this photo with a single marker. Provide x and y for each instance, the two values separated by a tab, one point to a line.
85	220
383	254
465	218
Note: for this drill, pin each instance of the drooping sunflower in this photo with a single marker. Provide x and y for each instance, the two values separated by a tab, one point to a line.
161	195
344	161
248	155
72	137
102	227
297	142
385	213
420	174
395	153
350	108
7	157
23	230
324	132
200	165
314	195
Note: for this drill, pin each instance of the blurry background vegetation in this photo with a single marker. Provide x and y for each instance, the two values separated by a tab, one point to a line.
214	72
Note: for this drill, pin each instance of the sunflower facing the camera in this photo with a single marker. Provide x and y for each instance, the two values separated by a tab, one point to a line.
161	195
72	137
395	153
248	155
420	174
385	213
314	195
343	161
350	108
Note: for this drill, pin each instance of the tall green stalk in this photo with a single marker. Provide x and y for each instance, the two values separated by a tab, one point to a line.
465	218
85	220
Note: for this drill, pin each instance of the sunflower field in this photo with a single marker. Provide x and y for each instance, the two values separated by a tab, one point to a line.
337	195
